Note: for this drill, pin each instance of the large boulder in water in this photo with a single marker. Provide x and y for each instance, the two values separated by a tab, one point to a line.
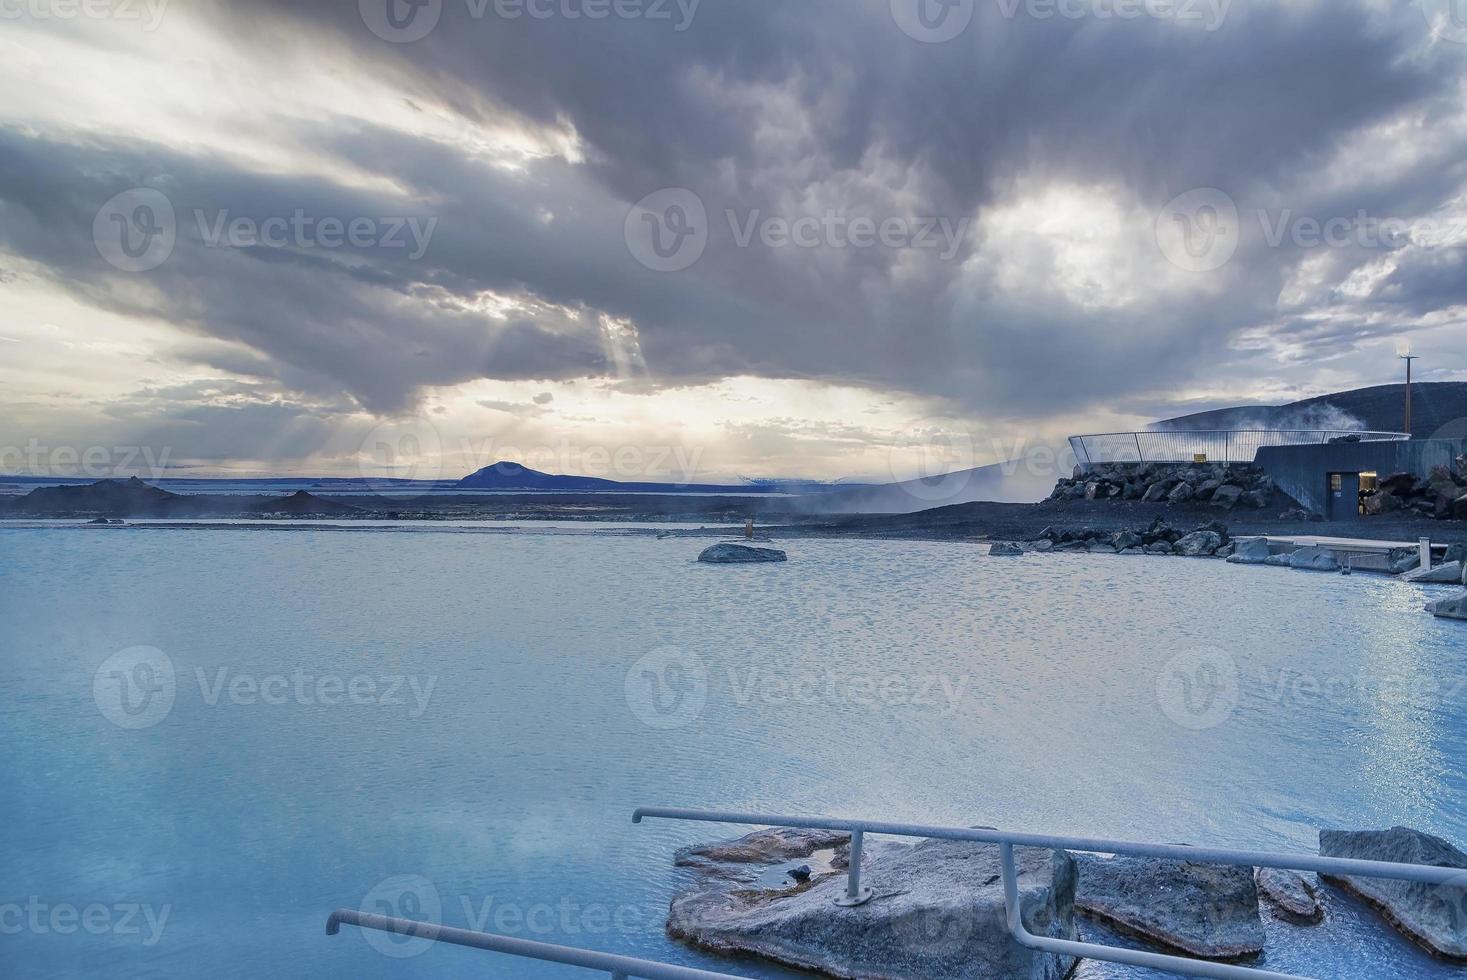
1250	551
1295	897
1003	549
1204	910
726	554
763	847
1448	574
1433	915
1315	559
1452	608
938	911
1404	560
1199	544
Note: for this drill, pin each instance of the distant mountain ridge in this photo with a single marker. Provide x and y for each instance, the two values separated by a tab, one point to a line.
1438	408
134	498
509	475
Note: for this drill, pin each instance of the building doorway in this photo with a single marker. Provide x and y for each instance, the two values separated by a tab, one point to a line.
1343	499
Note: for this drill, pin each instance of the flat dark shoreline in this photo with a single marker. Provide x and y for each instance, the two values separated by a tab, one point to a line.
781	518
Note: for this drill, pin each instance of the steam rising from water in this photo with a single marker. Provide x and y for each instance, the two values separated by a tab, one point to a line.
1321	415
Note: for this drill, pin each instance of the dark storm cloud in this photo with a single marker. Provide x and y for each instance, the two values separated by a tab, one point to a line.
773	110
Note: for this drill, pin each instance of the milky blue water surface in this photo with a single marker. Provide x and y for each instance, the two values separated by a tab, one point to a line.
895	680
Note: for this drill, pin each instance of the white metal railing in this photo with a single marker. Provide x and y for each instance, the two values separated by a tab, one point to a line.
855	893
620	967
1218	445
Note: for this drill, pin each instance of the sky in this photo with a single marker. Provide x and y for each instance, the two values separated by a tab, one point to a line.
707	239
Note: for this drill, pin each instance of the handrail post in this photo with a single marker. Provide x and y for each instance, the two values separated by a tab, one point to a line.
1010	889
855	894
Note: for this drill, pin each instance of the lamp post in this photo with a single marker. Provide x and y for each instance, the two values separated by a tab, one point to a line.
1404	353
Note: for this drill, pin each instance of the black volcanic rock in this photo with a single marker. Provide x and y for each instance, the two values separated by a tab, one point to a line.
507	475
105	498
300	504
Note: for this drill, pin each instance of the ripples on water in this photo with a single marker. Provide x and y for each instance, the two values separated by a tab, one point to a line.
512	791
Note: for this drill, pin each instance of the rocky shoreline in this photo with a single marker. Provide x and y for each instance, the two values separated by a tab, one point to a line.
1219	485
784	517
937	907
1214	540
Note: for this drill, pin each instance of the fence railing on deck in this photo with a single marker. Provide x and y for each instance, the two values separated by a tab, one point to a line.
1217	445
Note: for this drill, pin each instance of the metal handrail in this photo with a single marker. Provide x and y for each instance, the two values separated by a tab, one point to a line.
1008	840
620	967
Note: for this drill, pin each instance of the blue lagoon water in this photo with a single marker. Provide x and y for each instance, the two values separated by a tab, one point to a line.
215	737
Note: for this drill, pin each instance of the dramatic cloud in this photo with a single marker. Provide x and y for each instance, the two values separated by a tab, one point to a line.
1035	214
